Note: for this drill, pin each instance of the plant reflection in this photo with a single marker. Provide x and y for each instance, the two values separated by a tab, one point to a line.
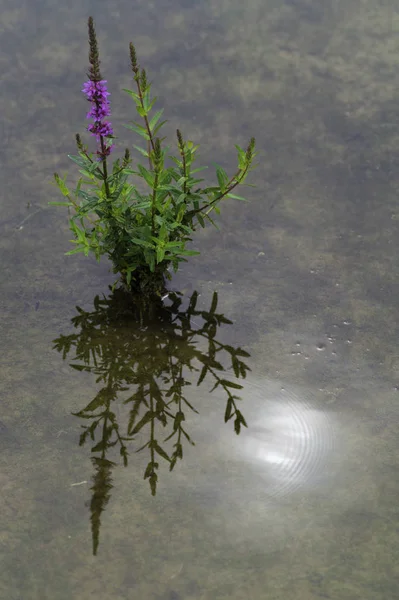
152	351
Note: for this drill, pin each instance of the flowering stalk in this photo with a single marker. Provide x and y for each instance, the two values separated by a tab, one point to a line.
142	233
97	94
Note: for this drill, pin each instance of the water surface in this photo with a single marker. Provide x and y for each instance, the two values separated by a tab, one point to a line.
303	505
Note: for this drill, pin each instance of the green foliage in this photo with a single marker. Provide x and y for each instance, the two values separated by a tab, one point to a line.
145	233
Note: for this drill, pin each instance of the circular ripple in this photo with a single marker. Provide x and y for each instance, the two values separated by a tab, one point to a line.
289	440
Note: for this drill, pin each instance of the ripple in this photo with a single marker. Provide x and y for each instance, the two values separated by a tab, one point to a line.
290	437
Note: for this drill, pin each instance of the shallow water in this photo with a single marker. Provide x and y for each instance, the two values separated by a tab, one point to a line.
303	503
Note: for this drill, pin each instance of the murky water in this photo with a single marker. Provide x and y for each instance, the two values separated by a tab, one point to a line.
303	503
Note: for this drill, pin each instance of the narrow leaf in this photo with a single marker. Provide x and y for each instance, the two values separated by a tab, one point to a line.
161	451
138	129
229	410
146	419
231	384
236	197
204	371
155	119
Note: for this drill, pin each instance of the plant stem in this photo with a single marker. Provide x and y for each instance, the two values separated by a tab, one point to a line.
153	206
105	170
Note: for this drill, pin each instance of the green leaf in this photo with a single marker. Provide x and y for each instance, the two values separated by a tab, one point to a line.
147	175
81	161
222	177
189	252
158	127
236	197
129	275
62	185
60	203
132	94
173	245
155	119
139	205
147	102
196	171
142	151
242	161
210	218
150	258
142	243
163	232
190	146
141	111
181	181
75	250
78	232
160	254
181	213
138	129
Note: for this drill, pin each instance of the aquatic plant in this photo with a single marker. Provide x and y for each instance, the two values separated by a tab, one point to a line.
145	235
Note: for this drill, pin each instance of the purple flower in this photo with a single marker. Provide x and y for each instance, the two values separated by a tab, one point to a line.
96	93
98	128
